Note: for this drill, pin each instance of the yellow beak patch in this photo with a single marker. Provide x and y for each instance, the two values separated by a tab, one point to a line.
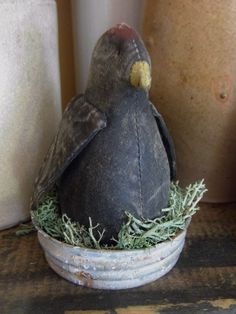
140	75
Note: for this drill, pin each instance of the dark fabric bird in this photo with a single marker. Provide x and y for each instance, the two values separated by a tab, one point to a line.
113	152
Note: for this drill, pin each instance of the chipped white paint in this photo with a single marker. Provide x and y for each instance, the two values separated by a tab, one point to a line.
111	269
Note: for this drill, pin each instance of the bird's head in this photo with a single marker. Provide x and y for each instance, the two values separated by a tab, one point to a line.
120	57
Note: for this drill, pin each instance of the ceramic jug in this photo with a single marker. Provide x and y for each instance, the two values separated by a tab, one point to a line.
193	50
30	105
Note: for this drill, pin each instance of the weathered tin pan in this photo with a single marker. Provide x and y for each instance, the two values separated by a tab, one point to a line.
111	269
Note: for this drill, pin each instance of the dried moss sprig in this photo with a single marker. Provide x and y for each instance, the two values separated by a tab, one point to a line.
146	232
135	233
47	218
24	229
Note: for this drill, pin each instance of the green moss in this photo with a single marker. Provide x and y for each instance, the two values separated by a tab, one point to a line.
146	233
135	233
24	229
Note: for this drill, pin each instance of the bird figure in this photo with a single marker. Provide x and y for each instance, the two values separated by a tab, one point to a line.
113	152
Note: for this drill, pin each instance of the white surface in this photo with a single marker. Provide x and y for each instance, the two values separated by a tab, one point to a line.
30	105
90	19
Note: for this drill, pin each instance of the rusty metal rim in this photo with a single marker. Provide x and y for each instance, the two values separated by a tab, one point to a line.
111	269
113	284
101	260
115	274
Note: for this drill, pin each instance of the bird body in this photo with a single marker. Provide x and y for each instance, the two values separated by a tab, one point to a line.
120	170
113	152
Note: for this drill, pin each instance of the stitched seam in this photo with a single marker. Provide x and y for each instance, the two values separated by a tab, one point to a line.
136	49
139	162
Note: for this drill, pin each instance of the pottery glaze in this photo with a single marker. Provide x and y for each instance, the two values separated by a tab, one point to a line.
29	100
193	50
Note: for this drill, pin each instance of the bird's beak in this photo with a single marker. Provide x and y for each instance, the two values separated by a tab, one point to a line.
140	75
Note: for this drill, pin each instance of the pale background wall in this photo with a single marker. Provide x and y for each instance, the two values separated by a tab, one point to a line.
90	19
81	23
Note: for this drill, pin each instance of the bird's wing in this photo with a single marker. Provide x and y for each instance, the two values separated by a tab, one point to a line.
81	121
167	141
